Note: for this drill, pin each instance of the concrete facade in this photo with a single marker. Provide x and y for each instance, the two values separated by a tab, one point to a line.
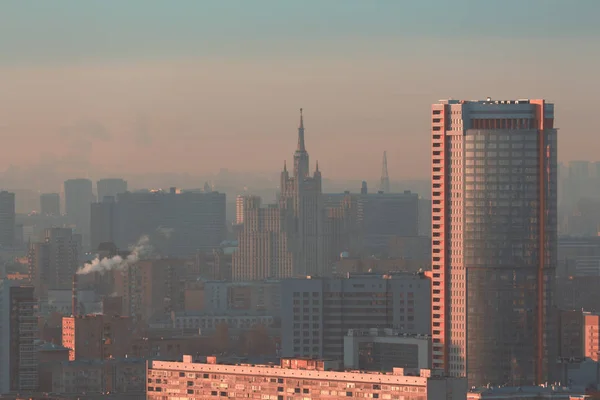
294	378
318	312
494	239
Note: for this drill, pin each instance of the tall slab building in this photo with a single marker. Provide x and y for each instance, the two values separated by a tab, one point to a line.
494	239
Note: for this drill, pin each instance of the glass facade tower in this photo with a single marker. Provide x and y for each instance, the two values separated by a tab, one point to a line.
494	239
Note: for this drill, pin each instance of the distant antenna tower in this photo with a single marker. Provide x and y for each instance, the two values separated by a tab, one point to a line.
385	179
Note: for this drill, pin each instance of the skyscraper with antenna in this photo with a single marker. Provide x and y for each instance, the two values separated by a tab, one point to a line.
384	185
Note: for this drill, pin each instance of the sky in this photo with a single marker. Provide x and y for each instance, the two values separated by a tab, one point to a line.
104	87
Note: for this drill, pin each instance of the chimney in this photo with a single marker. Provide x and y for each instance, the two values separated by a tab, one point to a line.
74	296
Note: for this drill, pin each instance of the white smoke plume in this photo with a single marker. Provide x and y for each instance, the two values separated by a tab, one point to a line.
138	251
164	231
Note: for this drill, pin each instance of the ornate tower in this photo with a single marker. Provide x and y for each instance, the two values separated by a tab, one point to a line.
301	155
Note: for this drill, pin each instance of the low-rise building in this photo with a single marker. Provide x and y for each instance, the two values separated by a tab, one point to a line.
385	349
294	378
545	392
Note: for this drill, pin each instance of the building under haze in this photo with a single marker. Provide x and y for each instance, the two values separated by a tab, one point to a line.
7	219
302	194
110	188
179	223
288	238
102	222
78	199
54	260
18	331
264	242
494	238
50	204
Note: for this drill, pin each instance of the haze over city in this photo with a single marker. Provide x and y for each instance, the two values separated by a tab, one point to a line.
319	199
190	87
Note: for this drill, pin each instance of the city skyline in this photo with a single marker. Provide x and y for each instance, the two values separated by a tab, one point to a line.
154	95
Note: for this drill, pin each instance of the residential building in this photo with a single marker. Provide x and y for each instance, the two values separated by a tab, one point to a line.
494	239
54	260
302	378
151	287
18	331
96	336
591	336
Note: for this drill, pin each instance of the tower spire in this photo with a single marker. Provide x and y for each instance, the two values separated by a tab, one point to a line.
301	147
385	179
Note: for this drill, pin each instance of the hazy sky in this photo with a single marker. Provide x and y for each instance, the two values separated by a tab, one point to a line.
145	85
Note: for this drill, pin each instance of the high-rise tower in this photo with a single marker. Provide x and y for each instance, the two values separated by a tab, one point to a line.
494	239
301	167
384	185
303	193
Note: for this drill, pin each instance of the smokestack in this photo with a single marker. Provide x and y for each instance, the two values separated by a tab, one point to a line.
74	296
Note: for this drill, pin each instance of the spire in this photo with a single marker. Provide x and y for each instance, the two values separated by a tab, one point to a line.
301	147
317	170
284	166
385	179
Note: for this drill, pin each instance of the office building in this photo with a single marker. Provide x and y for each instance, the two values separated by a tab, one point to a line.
385	349
179	223
54	260
50	204
222	297
110	188
7	219
78	199
380	217
18	331
102	222
318	312
494	239
293	378
578	257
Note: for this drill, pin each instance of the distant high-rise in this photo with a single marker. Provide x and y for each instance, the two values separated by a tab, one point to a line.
50	204
302	194
78	199
494	239
288	238
384	185
110	188
180	223
18	332
7	219
264	243
54	260
102	222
